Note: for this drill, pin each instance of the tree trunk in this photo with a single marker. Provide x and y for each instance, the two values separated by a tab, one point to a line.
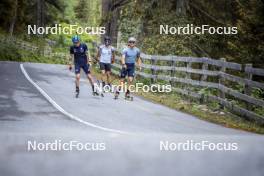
40	13
13	21
113	31
110	20
105	16
181	7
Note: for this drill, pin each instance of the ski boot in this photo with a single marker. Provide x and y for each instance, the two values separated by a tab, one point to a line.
128	96
116	95
77	92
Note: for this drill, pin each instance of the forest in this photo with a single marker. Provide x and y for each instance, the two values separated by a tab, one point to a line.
124	18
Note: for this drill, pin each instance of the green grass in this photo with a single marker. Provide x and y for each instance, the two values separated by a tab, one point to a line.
12	53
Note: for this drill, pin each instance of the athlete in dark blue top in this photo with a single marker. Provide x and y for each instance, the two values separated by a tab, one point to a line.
79	52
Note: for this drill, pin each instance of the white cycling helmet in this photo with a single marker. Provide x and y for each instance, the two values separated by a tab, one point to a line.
132	39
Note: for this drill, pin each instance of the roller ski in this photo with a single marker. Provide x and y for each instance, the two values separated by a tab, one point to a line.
95	92
77	92
128	96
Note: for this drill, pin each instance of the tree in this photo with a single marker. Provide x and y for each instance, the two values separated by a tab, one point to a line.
82	11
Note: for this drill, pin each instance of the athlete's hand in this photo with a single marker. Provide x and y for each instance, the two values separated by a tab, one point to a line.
124	66
139	67
90	63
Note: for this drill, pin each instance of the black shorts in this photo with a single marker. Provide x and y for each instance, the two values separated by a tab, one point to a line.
85	67
129	71
105	66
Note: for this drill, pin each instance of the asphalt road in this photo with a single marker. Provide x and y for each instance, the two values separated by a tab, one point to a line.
37	104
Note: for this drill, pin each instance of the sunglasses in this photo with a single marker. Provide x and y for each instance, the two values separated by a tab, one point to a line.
131	42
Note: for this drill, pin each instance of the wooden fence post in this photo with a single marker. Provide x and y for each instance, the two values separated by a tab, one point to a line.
247	87
172	71
153	70
221	81
189	66
204	78
204	67
188	76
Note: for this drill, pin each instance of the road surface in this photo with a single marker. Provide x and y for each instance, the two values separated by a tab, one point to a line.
37	104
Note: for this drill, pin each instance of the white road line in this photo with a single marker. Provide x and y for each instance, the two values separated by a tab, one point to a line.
58	107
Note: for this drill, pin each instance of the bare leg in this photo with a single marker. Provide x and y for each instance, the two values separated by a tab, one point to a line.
120	86
77	80
130	81
103	75
108	76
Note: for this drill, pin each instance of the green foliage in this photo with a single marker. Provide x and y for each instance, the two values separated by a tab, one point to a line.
9	53
142	19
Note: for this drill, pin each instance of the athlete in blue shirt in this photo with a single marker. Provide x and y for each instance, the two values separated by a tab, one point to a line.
79	52
130	57
106	57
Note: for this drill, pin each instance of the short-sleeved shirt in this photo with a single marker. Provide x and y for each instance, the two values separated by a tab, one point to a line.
79	53
106	53
131	54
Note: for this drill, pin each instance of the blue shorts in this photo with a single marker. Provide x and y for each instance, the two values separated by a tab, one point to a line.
85	67
129	71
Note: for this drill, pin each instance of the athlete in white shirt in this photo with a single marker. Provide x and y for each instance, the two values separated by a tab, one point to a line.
106	57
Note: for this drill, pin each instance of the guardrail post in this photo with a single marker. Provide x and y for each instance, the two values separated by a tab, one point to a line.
247	87
153	70
221	81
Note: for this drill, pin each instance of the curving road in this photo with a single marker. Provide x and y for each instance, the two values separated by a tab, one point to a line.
37	104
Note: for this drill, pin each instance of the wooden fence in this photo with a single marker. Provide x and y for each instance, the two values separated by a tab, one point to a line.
196	74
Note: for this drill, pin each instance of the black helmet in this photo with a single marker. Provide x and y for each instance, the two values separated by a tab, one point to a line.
107	40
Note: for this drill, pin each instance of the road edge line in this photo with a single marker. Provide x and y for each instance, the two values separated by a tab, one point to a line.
59	108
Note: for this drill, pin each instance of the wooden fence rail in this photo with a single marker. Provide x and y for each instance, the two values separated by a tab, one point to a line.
222	75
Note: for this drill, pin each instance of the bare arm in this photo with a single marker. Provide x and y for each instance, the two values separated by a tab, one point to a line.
123	59
89	59
98	55
71	58
113	57
139	62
